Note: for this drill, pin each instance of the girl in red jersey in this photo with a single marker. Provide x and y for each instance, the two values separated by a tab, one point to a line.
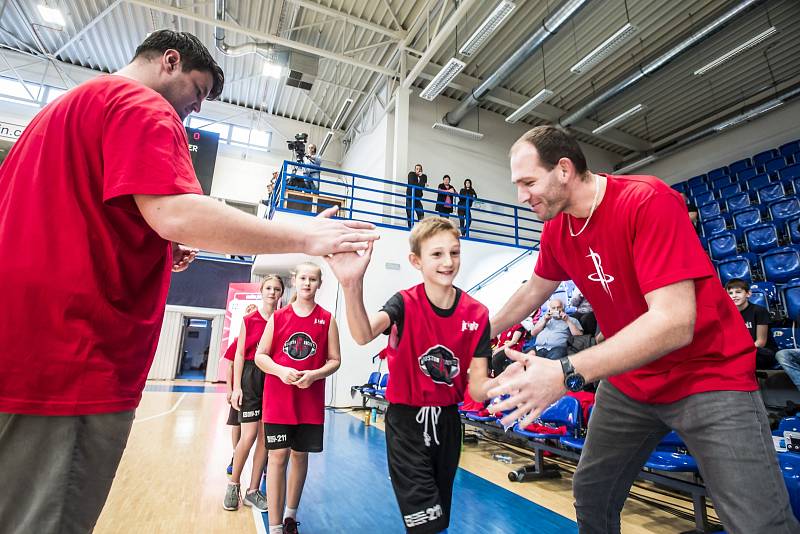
247	395
436	334
299	349
233	413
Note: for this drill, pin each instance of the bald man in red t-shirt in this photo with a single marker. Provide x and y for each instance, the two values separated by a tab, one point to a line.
677	357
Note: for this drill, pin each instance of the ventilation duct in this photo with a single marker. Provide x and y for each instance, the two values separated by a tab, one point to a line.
302	70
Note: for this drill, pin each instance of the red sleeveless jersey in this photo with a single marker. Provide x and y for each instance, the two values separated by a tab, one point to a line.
508	334
428	366
254	325
300	343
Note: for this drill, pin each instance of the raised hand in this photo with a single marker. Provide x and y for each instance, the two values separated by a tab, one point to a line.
533	384
324	235
349	267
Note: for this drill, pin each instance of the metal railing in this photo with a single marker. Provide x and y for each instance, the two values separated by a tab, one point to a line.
307	189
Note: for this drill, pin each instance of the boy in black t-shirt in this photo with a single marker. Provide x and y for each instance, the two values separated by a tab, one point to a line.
757	320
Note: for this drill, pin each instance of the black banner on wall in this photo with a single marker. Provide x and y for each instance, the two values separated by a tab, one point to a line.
205	283
203	149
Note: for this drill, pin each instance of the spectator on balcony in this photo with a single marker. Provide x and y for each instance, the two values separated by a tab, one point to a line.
445	198
414	195
756	319
312	175
467	196
553	330
583	312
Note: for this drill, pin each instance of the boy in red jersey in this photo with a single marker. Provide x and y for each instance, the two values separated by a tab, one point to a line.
428	360
299	349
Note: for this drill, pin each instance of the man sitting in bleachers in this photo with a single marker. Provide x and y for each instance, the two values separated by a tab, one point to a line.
756	319
789	360
553	330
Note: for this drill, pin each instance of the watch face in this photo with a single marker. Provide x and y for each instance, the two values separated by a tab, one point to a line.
574	382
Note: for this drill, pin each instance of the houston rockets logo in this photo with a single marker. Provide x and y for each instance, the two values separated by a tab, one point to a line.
300	346
599	275
440	364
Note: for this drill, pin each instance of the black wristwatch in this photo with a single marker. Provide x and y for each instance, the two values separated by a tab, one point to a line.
573	380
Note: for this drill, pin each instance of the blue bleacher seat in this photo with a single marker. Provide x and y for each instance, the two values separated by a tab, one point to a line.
681	187
790	150
741	165
787	424
757	181
760	159
761	237
737	201
759	297
784	209
696	180
745	174
793	230
791	299
672	462
719	183
745	218
739	266
714	225
381	391
372	384
790	468
715	174
775	165
722	245
566	411
790	173
781	264
769	289
785	338
770	192
709	209
694	190
701	198
728	190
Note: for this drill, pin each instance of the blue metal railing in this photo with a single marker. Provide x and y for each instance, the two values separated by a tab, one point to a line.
486	281
398	205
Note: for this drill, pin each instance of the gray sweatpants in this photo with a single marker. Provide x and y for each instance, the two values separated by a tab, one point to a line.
56	472
727	432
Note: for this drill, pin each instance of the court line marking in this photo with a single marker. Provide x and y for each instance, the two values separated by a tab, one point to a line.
259	520
174	407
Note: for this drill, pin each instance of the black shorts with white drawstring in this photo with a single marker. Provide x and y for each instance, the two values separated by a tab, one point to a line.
423	446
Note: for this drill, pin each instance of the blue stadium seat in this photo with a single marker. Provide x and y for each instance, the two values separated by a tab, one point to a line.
737	201
715	174
793	230
791	299
790	173
775	165
790	468
788	424
709	209
757	181
699	188
372	384
722	245
790	150
784	209
696	180
757	296
769	289
736	267
744	175
785	338
761	237
728	190
745	218
714	225
681	187
741	165
770	192
760	159
381	391
781	265
672	462
566	411
701	198
719	183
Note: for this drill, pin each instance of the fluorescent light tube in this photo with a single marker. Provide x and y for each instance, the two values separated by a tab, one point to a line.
619	118
324	145
636	164
525	108
604	49
342	115
460	132
750	43
487	27
442	79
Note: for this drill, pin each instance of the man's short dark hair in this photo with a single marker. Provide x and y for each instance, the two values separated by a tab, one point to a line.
194	55
553	143
737	283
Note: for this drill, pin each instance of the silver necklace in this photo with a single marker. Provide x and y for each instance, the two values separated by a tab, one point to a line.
591	211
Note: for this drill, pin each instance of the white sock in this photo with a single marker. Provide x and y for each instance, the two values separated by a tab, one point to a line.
291	512
276	529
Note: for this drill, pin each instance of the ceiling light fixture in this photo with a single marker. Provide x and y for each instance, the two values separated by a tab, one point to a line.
635	165
750	43
525	108
460	132
272	70
325	142
763	108
619	118
52	15
487	27
442	79
604	49
342	115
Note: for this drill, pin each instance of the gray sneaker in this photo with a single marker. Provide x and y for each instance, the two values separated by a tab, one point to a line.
256	499
232	497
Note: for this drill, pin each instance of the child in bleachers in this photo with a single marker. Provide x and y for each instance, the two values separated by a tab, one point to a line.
437	333
757	320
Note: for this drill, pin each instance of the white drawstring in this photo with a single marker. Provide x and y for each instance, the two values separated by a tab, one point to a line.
425	416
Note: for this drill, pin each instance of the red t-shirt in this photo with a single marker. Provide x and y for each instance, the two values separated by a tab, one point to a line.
300	343
640	239
254	325
84	278
509	334
230	352
428	365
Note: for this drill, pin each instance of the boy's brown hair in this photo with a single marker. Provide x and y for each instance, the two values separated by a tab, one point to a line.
737	283
427	228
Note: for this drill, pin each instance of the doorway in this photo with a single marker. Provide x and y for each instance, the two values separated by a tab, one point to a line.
195	346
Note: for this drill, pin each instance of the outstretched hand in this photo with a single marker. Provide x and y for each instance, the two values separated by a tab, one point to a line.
182	256
532	383
349	267
324	235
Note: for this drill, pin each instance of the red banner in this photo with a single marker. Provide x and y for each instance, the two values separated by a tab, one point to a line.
241	296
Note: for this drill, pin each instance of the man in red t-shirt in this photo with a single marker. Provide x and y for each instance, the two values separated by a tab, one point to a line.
676	356
94	197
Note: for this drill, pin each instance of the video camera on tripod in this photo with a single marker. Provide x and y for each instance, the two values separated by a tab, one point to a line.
298	146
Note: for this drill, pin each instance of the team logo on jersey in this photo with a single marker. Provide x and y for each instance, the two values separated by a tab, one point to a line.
599	275
300	346
440	364
469	325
